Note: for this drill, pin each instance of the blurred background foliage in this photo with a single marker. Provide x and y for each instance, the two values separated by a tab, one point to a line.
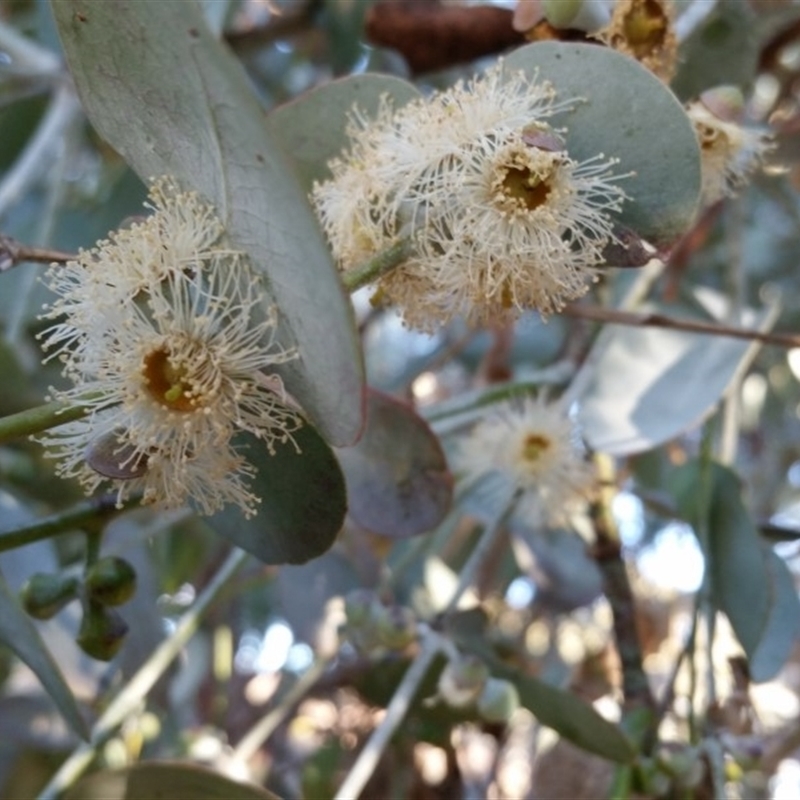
267	689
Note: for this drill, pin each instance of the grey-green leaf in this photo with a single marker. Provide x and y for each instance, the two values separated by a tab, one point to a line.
19	633
313	128
624	112
303	502
164	780
398	483
735	560
568	715
783	622
650	384
173	101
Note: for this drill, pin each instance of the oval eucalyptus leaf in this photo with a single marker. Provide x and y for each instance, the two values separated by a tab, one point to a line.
398	483
624	112
313	128
734	555
651	384
303	502
723	49
568	715
20	634
783	623
173	101
164	780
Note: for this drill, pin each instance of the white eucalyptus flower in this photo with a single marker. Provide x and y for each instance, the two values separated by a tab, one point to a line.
502	219
171	349
531	446
729	152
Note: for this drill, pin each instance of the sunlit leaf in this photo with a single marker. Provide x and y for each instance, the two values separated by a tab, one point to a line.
397	478
173	101
303	502
624	112
651	384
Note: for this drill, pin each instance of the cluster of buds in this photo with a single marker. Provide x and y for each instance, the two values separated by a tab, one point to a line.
375	628
107	583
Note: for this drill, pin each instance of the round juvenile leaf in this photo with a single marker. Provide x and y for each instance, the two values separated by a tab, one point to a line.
723	49
164	780
313	128
625	112
173	101
303	502
397	478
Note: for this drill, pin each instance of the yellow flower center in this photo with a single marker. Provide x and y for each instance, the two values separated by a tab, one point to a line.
169	382
645	27
535	446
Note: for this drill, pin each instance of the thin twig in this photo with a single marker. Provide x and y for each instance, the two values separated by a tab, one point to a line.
13	253
432	644
655	320
608	554
78	515
264	728
40	418
398	707
377	266
131	696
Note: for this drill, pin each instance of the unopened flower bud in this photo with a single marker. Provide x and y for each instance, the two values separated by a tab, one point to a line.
44	595
111	581
396	627
498	700
102	632
462	681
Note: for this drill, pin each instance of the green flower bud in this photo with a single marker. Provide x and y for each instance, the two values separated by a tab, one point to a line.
44	595
110	581
396	627
462	681
498	700
559	13
102	632
359	606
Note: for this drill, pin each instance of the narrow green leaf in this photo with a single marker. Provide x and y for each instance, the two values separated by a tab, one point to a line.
398	483
173	101
783	622
164	780
19	633
560	710
303	502
735	560
313	128
624	112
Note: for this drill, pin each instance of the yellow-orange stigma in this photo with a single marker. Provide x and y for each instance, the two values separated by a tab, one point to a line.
167	383
645	27
534	446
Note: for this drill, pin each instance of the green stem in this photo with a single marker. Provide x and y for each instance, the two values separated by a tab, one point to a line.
39	418
76	517
377	266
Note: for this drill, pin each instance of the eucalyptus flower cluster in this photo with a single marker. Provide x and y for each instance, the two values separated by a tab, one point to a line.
170	350
500	217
